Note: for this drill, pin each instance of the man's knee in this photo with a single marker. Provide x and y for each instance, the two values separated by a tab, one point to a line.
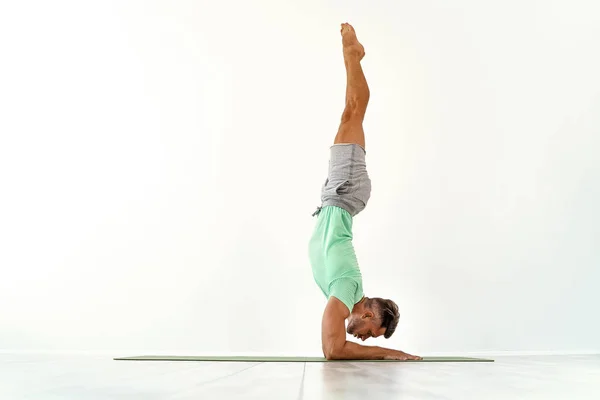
353	112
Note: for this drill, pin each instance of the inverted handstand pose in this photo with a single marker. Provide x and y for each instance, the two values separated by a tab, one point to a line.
344	194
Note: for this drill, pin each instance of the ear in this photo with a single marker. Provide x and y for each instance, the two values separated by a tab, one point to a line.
367	314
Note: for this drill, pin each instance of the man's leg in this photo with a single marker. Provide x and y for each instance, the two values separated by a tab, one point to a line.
357	90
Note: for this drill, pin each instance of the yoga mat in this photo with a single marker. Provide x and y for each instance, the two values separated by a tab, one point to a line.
287	359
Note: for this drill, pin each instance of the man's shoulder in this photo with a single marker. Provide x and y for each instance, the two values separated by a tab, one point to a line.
346	290
336	308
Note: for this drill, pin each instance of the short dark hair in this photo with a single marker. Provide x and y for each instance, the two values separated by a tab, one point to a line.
387	312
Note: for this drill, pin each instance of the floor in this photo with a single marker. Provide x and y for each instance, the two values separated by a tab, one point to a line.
30	376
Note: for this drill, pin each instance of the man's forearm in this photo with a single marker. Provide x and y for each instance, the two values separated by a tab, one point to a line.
355	351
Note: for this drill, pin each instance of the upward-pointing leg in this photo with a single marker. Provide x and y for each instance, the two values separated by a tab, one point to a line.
357	90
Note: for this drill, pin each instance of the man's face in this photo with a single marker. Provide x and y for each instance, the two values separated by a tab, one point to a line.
364	327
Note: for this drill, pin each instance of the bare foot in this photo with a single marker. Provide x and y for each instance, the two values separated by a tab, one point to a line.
352	48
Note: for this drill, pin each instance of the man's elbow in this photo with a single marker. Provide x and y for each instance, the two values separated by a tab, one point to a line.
330	355
333	353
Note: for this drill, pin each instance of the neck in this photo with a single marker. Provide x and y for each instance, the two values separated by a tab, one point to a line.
359	307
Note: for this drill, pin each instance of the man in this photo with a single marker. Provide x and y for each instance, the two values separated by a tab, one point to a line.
344	194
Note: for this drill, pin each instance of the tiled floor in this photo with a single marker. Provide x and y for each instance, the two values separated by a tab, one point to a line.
28	376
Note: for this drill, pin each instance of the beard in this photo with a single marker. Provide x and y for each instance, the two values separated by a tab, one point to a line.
353	326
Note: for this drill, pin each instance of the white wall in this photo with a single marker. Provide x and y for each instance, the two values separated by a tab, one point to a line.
160	161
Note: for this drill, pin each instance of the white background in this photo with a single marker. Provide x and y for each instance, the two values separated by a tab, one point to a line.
160	161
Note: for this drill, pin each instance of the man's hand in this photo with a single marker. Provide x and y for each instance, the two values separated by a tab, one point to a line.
335	346
402	356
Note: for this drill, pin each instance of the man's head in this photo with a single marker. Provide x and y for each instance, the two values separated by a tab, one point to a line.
373	318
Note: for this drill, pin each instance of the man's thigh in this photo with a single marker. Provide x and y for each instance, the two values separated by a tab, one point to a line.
351	132
348	184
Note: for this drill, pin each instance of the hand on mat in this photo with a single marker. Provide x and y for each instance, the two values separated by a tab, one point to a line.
402	356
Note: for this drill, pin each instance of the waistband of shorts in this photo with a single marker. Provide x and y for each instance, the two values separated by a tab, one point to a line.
349	144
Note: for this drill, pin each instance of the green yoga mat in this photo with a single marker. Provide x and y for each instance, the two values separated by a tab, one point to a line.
287	359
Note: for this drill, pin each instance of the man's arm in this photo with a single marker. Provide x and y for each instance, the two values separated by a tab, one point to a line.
335	346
